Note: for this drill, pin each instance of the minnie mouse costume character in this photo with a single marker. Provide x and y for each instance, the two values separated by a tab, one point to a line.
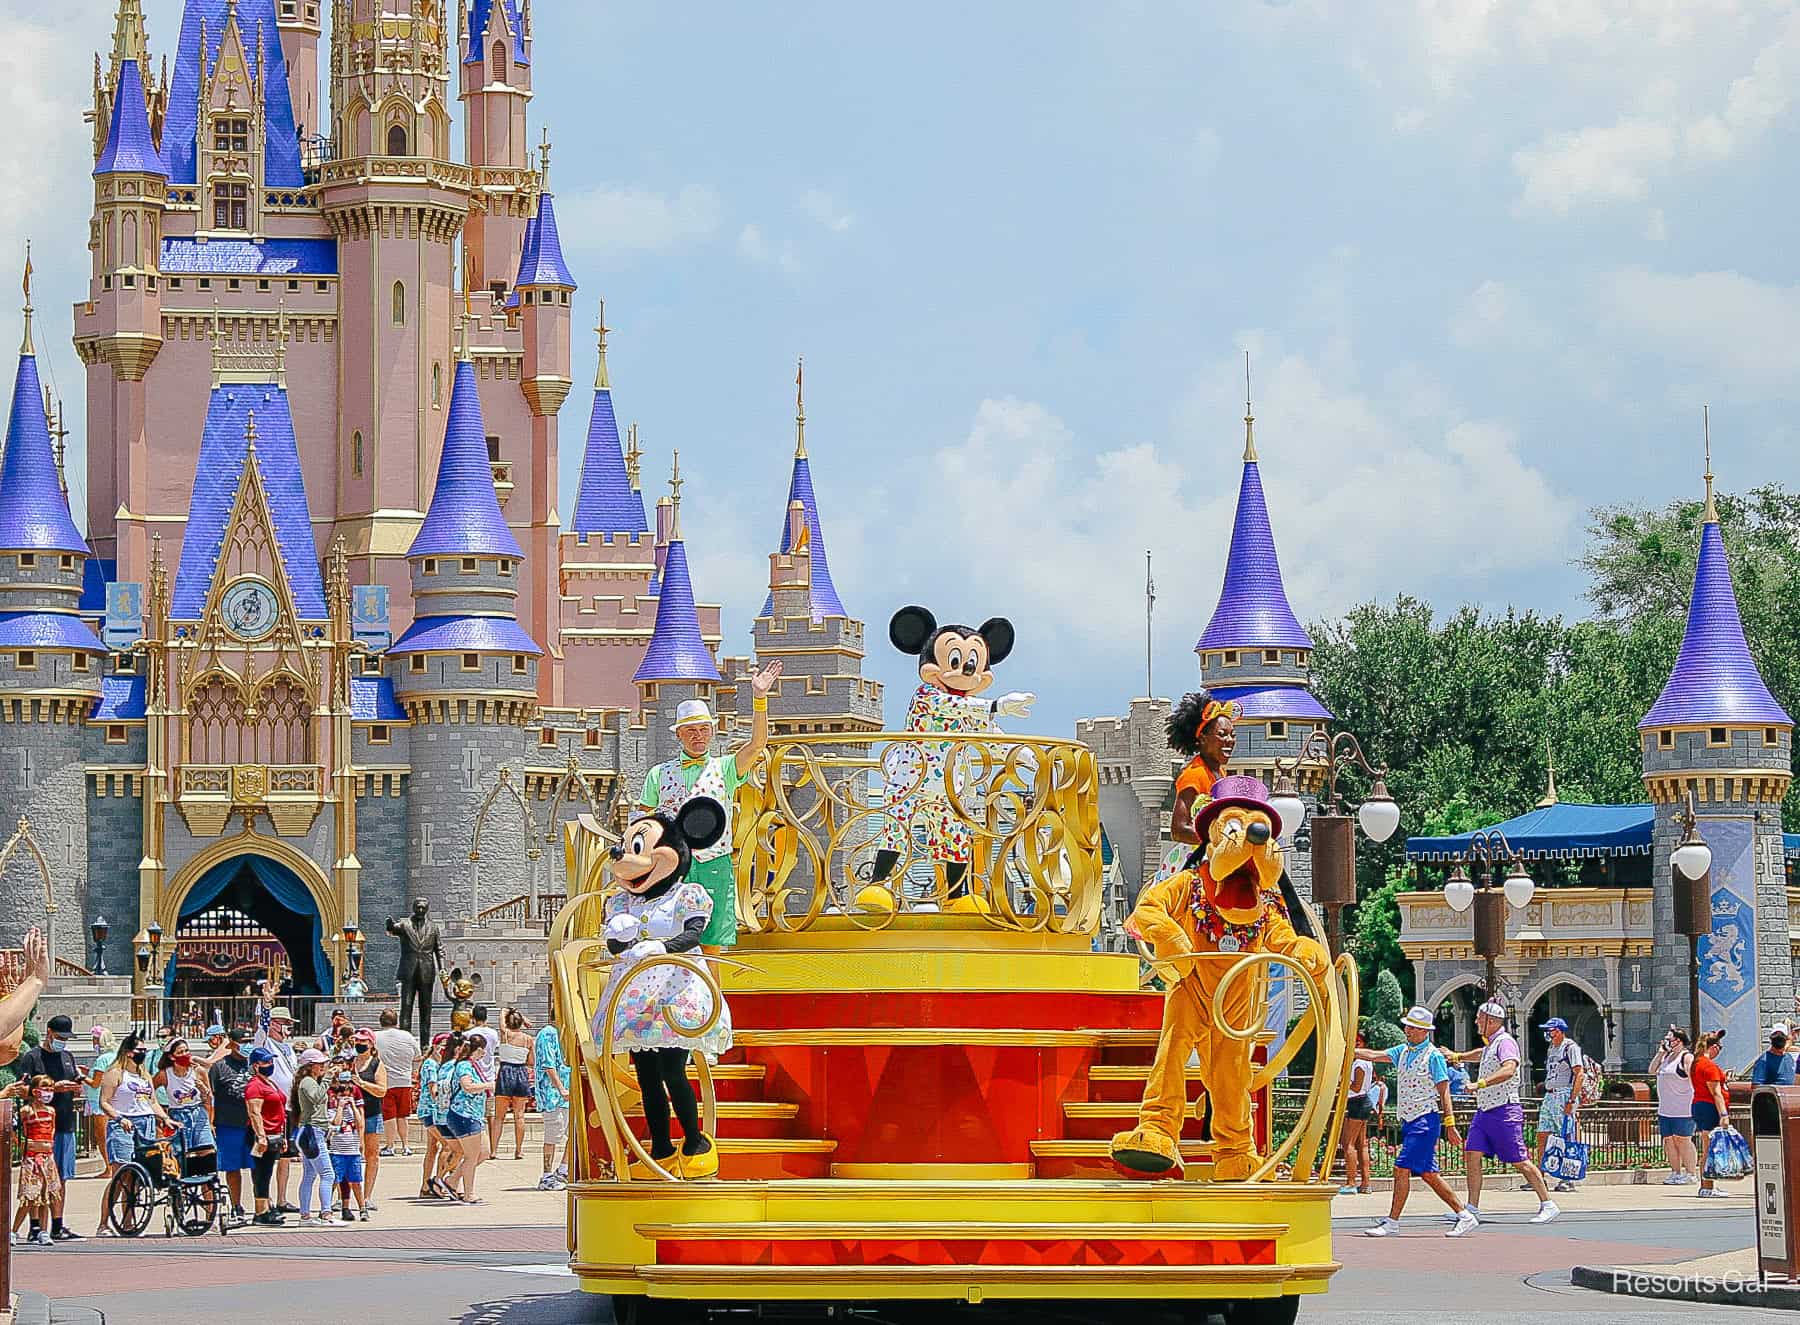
661	910
955	665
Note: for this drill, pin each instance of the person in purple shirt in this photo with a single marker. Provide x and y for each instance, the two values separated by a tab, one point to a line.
1498	1128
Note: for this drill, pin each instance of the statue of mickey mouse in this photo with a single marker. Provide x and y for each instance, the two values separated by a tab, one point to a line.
956	664
660	910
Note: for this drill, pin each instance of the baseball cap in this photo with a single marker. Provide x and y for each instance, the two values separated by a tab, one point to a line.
308	1057
241	1032
261	1055
1491	1009
60	1025
1554	1024
1779	1028
1419	1018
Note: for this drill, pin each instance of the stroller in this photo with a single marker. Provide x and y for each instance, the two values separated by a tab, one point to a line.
162	1173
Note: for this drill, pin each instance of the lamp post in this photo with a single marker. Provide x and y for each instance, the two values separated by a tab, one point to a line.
99	929
143	969
1691	867
1488	851
1333	831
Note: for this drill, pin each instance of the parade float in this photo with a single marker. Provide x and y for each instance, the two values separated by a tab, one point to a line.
925	1084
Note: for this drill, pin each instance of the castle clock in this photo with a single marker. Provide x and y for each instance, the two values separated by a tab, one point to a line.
249	610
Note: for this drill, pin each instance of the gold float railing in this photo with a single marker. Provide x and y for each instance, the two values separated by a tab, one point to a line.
811	818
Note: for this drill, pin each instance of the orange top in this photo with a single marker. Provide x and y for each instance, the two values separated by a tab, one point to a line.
40	1126
1706	1074
1196	777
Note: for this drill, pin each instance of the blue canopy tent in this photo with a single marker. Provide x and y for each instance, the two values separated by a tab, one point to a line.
283	888
1555	832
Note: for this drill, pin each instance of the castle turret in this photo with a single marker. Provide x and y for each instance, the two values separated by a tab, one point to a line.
466	674
677	665
396	205
607	560
298	23
1255	651
119	328
495	89
825	601
50	665
1715	731
545	290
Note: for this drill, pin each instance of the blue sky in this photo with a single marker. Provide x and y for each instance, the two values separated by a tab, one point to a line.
1489	260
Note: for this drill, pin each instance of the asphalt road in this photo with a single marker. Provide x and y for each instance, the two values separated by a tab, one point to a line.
1508	1272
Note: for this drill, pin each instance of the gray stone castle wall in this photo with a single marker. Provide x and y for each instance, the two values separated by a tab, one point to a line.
43	778
454	767
381	846
115	847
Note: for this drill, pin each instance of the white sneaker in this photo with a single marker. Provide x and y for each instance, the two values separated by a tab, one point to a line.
311	1221
1450	1217
1382	1228
1466	1222
1675	1180
1546	1212
1709	1193
1689	1179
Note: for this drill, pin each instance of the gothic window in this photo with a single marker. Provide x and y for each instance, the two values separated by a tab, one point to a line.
215	723
396	142
285	720
128	244
425	853
399	304
356	454
231	206
493	450
231	134
498	63
437	385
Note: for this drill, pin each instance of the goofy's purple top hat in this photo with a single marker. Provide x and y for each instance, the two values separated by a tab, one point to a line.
1236	791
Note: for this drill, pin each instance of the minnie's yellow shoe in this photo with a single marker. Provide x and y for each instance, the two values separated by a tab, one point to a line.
969	904
703	1165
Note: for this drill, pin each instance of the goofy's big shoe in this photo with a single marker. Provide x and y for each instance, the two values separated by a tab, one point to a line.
1201	921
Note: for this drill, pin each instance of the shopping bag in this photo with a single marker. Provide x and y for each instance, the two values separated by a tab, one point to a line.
1728	1154
1566	1157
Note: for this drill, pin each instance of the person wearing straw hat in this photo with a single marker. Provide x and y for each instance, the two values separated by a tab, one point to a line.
698	772
1422	1099
1498	1127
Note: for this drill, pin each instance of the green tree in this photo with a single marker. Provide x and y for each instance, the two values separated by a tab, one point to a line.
1377	931
1382	1010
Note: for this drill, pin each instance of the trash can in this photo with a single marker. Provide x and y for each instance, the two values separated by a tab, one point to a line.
1775	1140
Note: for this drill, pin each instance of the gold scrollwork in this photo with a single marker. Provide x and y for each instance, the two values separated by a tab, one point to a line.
812	816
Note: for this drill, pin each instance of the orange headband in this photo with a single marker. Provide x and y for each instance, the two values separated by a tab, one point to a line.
1229	708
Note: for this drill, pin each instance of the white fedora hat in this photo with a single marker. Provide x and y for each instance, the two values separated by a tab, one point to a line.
690	713
1418	1018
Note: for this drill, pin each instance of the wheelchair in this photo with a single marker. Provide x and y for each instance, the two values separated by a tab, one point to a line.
162	1173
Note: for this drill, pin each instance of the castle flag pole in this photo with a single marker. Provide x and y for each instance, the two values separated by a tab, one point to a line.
1149	614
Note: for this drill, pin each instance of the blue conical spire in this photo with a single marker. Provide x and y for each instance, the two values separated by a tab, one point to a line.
825	600
34	514
464	518
677	652
129	145
1253	611
541	259
1715	680
606	502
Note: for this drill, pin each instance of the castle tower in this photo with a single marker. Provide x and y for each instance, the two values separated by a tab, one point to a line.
1717	732
677	665
396	223
1255	651
608	558
495	89
466	674
297	22
545	290
50	663
803	622
119	330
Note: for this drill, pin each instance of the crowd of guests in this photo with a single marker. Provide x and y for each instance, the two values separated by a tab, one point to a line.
260	1100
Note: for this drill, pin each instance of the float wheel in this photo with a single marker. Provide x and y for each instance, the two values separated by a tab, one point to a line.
1263	1311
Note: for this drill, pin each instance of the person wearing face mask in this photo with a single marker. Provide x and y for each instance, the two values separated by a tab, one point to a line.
128	1099
52	1059
277	1036
40	1185
187	1094
267	1105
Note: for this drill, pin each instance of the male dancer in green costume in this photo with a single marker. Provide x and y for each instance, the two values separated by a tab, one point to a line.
698	773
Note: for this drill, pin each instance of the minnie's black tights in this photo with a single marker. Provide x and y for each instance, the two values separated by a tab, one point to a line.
662	1077
956	873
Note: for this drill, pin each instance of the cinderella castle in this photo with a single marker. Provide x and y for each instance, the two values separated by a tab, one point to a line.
327	624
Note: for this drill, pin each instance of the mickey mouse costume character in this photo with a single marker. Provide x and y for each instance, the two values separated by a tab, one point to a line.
1225	905
660	910
956	664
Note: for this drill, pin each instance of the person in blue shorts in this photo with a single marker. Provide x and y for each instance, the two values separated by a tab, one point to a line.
1422	1099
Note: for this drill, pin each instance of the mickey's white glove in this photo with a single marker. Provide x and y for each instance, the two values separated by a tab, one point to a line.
622	928
1015	705
648	948
661	925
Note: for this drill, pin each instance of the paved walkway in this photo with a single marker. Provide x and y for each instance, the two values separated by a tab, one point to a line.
1500	1196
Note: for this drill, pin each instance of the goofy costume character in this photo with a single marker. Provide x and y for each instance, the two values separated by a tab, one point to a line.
1227	903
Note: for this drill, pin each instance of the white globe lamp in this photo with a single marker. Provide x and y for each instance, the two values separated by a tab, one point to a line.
1519	888
1459	892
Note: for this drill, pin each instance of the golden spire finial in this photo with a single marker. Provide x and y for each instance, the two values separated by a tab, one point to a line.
800	410
129	41
250	437
1712	511
675	482
1249	418
281	343
544	156
25	346
602	380
1549	762
633	461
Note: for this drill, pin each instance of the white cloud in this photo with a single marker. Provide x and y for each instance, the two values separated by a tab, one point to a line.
1739	333
1494	313
617	220
755	246
1605	163
824	209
